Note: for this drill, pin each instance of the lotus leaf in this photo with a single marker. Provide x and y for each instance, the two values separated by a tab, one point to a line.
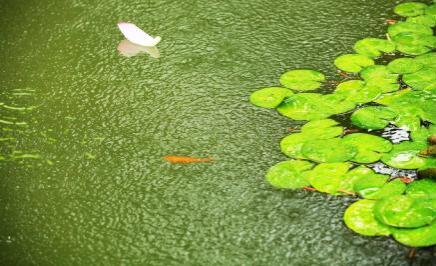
426	20
404	66
327	177
269	97
422	80
353	62
369	147
359	217
407	27
373	117
414	43
328	151
289	174
302	79
425	188
405	156
410	9
379	76
292	145
370	184
404	211
322	129
355	91
418	237
373	47
303	106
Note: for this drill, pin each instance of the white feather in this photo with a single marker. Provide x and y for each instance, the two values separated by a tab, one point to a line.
136	35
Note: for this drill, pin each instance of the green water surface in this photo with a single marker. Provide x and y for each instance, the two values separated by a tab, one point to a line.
100	192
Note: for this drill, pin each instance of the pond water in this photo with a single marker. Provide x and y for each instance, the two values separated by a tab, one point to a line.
94	188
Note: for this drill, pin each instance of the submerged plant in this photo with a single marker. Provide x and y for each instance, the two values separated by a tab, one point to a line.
401	94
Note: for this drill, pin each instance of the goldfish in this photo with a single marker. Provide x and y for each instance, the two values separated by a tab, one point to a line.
185	159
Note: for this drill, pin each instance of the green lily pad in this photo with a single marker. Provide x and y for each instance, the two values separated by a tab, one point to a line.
407	27
379	76
322	129
369	185
303	106
427	60
302	79
355	91
425	188
426	20
395	187
291	145
359	217
353	62
422	80
373	117
269	97
328	151
370	147
327	177
336	104
289	174
430	10
410	9
414	43
374	47
405	156
403	211
404	66
353	176
418	237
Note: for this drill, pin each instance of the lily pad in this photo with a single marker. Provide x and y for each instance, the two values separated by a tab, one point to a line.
269	97
322	129
370	147
407	27
404	66
425	188
403	211
374	47
422	80
426	20
289	174
418	237
373	117
327	177
431	10
328	151
410	9
414	43
395	187
369	185
352	177
303	106
359	217
405	156
356	91
379	76
353	62
302	79
427	60
291	145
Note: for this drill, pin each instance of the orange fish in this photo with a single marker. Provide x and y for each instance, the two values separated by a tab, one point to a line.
310	189
185	159
405	179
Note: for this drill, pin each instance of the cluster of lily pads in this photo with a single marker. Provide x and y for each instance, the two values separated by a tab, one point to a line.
402	93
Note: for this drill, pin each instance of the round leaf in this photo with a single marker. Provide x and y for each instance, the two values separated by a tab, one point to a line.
403	211
359	217
407	27
289	174
302	79
379	76
426	20
269	97
353	62
418	237
322	129
373	47
405	156
404	66
303	106
410	9
414	43
425	188
330	150
369	185
327	177
356	91
292	145
422	80
369	147
373	117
